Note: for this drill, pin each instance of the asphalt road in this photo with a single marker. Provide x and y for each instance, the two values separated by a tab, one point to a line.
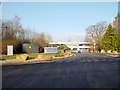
82	71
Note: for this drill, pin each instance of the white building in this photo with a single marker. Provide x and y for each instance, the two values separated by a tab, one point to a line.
75	46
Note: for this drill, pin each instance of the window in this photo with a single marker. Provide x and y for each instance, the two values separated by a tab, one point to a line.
74	48
74	44
80	44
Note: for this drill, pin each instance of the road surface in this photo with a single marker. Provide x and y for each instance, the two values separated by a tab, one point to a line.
83	71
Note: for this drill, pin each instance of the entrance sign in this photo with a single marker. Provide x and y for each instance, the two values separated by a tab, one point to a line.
10	50
50	50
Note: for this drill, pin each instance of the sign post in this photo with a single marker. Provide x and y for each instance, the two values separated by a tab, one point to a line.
94	46
10	50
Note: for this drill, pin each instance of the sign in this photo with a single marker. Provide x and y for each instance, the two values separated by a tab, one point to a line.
50	50
10	50
94	43
29	46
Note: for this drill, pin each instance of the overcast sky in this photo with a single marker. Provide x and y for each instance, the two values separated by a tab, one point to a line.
62	20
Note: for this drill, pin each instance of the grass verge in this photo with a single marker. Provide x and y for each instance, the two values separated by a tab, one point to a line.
31	55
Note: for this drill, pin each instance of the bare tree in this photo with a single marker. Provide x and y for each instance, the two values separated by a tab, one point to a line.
12	28
14	34
94	33
29	35
48	37
43	39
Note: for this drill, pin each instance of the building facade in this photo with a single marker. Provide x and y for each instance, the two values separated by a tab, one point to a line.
75	46
116	24
30	48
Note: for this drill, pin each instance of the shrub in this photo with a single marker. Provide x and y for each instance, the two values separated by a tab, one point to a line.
63	47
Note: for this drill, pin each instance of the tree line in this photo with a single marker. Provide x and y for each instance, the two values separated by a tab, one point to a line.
104	36
14	34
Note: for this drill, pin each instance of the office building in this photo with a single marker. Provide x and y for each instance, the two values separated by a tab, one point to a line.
75	46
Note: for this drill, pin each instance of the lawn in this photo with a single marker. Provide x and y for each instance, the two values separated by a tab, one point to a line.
31	55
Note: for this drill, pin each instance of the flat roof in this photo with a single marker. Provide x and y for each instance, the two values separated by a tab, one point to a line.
69	42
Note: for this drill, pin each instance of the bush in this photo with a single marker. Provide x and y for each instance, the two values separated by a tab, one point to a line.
63	47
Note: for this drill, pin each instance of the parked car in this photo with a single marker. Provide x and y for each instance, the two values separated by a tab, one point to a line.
79	52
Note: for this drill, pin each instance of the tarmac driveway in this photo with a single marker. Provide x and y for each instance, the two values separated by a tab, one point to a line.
83	71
